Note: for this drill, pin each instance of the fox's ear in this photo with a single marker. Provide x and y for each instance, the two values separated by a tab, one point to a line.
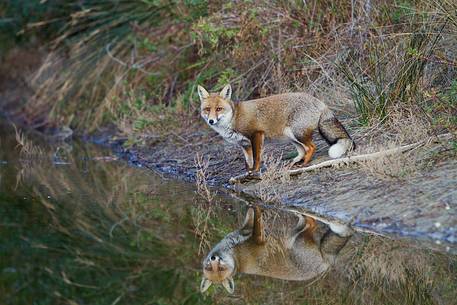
229	284
248	225
226	93
205	284
202	93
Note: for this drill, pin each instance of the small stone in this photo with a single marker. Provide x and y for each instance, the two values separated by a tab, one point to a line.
437	224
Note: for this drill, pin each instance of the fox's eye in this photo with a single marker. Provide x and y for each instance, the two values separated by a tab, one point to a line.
219	109
207	109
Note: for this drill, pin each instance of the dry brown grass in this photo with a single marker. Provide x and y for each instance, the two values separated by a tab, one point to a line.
275	172
403	127
201	179
386	262
29	154
395	270
203	210
28	150
398	54
278	225
394	166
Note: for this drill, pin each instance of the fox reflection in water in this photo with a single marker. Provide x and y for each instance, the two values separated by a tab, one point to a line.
303	252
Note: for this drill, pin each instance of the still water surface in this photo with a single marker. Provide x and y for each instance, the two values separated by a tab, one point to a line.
78	226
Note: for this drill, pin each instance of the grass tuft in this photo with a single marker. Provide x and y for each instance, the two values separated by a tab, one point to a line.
137	63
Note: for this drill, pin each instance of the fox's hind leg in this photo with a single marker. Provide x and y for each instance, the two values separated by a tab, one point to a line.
308	141
296	231
248	156
305	228
302	149
311	226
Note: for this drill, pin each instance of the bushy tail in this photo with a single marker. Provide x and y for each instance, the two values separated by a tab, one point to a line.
335	134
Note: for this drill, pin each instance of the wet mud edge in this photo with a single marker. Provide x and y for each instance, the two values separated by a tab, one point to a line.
442	240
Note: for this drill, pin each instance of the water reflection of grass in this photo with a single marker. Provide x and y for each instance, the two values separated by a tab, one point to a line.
102	233
98	236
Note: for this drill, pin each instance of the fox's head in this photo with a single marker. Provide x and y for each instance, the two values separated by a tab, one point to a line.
219	266
216	109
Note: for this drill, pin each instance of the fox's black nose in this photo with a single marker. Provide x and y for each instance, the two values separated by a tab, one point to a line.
213	258
211	121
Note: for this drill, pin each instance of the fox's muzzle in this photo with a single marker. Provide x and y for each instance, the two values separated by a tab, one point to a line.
213	120
216	271
215	266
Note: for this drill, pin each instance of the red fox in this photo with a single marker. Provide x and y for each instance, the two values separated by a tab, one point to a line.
303	253
291	116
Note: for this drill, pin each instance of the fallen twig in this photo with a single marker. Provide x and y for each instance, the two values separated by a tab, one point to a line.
370	156
348	160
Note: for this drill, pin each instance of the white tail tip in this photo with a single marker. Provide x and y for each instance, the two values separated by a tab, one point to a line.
337	150
341	230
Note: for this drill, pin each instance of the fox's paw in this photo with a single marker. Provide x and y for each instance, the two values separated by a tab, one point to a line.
248	176
298	164
341	230
253	174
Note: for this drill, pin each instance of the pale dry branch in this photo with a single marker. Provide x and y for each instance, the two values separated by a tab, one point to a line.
370	156
348	160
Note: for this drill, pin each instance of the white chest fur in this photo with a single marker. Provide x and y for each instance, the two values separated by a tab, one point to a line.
230	135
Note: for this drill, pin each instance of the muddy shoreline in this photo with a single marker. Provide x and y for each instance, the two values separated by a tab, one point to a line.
421	207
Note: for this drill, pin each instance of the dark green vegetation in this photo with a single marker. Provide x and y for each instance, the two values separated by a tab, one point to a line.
136	63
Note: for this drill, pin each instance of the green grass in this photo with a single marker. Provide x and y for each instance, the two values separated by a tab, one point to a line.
392	75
